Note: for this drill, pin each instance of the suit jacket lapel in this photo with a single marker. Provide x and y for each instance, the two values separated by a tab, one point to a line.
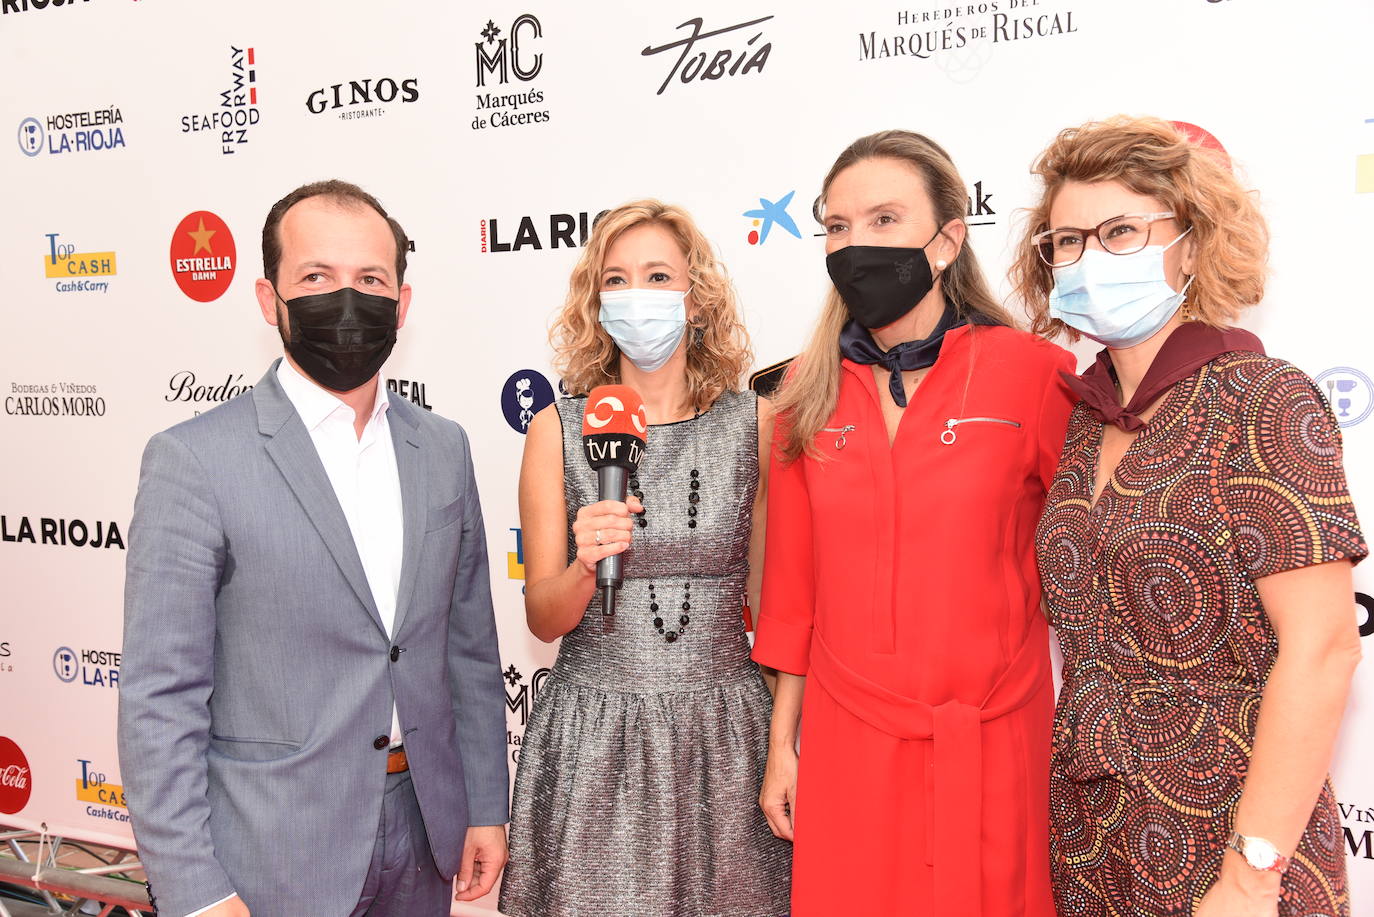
405	435
291	448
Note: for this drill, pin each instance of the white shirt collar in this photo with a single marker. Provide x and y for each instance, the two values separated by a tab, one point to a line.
315	405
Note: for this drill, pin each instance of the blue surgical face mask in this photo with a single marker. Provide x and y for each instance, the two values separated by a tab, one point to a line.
646	325
1117	300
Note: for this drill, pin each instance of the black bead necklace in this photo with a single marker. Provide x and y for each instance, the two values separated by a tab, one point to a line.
664	625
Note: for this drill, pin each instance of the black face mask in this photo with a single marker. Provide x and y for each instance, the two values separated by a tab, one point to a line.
341	338
880	284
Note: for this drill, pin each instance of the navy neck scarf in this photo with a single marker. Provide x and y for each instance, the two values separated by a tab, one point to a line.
858	345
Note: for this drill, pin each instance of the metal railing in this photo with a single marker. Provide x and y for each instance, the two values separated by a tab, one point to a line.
107	885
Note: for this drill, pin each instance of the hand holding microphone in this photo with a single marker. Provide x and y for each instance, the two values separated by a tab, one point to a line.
613	433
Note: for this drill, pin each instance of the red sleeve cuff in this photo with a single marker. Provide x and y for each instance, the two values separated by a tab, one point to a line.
782	645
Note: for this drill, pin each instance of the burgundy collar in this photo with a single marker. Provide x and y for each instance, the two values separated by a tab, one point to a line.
1189	346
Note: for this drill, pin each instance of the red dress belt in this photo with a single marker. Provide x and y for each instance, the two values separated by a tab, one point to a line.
956	729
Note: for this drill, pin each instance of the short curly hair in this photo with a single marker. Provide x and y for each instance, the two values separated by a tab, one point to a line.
1153	157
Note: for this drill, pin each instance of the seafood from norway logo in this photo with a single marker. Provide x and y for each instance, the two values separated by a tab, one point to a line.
237	111
15	785
525	394
202	256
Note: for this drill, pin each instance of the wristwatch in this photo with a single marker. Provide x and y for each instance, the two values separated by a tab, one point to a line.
1259	853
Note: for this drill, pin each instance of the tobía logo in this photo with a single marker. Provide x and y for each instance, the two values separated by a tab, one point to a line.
202	256
362	98
525	394
1349	392
15	783
738	57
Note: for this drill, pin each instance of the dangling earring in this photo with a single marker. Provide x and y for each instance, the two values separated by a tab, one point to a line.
698	335
1187	312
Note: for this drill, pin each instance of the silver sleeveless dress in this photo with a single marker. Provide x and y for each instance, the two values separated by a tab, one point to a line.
637	789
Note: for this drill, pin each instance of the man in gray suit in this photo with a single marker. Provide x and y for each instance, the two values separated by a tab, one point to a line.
311	716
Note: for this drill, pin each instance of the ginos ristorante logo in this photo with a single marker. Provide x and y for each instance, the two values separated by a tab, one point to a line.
203	256
15	782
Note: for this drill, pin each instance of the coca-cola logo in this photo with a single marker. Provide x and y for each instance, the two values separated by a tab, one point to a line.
15	785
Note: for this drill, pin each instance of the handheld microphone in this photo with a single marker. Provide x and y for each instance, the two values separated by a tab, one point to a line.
613	431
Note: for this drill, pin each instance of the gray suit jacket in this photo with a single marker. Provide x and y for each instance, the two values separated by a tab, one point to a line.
257	676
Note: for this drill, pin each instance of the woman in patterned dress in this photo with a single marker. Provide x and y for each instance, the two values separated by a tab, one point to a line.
1196	549
646	746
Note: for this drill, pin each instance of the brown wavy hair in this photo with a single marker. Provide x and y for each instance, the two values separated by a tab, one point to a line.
1152	157
718	351
808	394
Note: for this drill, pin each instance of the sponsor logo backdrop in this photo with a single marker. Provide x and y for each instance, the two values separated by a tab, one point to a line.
149	138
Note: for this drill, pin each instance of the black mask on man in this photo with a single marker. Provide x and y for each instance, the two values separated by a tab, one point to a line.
341	338
879	284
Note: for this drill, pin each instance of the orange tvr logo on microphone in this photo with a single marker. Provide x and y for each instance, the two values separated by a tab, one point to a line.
615	409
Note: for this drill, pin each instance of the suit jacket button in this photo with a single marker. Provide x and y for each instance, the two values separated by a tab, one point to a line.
380	742
395	653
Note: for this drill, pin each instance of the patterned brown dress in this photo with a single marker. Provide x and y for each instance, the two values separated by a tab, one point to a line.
1166	645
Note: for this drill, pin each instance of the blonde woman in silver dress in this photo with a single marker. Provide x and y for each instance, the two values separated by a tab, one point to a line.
643	758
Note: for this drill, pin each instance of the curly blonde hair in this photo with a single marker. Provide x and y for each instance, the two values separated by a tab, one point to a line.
717	346
1153	157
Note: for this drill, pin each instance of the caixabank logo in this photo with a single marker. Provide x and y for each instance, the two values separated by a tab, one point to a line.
509	62
72	132
702	54
203	256
528	233
16	784
76	271
369	97
230	116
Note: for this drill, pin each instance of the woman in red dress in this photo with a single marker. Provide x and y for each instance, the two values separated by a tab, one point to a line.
1196	550
917	436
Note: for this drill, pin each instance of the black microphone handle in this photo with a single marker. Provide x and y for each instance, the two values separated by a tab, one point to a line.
610	571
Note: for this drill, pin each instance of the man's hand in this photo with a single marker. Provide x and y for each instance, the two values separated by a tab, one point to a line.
234	907
484	856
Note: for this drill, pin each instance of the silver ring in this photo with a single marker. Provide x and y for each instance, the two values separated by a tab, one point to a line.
598	536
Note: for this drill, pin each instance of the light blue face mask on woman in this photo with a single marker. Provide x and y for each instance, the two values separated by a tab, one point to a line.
645	324
1117	300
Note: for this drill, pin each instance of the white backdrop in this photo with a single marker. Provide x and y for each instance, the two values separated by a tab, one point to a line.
486	128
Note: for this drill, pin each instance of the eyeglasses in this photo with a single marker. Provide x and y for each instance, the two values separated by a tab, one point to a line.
1123	235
